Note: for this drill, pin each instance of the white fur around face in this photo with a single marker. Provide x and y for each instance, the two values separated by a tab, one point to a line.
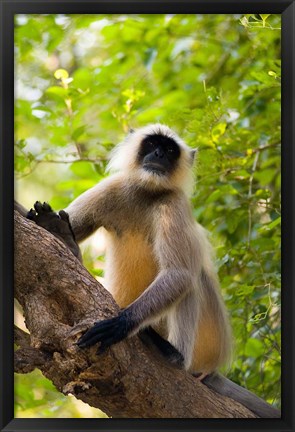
124	159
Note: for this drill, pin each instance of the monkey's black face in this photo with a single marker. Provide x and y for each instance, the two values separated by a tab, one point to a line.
159	154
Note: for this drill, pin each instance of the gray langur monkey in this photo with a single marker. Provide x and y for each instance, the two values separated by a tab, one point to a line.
159	265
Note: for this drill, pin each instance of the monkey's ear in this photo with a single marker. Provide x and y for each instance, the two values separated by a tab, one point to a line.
131	131
193	153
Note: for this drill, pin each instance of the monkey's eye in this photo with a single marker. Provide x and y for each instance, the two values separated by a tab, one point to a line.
170	150
151	145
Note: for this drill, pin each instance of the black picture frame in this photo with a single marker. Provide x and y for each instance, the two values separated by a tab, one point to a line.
7	10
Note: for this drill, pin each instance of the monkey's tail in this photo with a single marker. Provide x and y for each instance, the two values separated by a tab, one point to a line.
225	387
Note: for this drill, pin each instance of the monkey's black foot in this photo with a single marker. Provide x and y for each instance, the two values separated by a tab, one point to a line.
108	332
150	336
39	211
54	222
57	224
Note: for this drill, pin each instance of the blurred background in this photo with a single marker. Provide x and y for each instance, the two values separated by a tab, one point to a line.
82	81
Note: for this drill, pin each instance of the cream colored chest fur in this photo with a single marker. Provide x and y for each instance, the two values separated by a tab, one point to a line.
132	269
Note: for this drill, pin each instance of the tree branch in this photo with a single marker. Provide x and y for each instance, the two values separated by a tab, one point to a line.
61	299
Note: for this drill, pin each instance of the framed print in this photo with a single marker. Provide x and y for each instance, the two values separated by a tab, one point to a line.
148	148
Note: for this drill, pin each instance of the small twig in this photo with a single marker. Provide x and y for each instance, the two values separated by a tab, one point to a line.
266	147
56	161
60	161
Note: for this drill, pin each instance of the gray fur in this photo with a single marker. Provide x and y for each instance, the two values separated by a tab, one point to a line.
159	260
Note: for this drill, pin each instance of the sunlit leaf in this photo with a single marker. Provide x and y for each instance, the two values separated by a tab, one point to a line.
61	74
217	131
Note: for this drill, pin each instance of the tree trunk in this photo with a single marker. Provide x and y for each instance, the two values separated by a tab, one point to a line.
60	299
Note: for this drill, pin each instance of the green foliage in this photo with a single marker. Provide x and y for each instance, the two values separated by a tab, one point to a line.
84	80
36	396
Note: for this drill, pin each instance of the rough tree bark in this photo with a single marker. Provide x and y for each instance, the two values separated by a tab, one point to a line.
60	299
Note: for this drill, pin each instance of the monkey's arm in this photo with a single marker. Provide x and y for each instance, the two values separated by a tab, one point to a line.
90	210
168	287
82	217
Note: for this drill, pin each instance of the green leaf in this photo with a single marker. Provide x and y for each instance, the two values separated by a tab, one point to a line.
83	169
97	272
254	348
276	222
78	132
82	78
265	176
263	193
271	225
245	290
57	92
214	196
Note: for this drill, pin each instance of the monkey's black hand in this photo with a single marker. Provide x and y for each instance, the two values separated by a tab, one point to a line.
108	332
56	223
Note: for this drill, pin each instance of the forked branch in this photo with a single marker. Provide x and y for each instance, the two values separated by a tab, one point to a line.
60	299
